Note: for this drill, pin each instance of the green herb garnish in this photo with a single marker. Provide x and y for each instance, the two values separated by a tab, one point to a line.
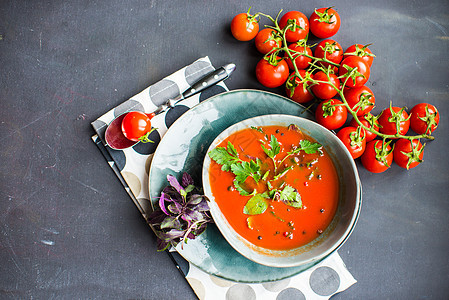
258	203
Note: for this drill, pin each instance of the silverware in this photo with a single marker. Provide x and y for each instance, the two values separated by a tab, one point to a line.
114	136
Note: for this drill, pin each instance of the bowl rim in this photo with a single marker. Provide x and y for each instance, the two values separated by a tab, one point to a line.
215	215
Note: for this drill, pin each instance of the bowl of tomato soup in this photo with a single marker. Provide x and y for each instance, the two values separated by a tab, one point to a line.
284	191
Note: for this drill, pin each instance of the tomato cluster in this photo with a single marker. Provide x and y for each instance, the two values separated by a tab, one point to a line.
336	79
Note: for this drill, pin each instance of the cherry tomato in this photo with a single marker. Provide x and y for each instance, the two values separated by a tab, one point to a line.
297	90
300	27
331	49
369	124
424	118
357	77
361	51
244	27
301	61
360	99
377	157
408	154
135	125
331	114
325	90
354	140
389	117
272	74
324	22
267	39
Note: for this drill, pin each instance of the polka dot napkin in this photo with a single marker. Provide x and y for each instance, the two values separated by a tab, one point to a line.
132	167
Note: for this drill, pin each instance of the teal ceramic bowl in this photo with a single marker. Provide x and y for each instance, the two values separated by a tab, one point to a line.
343	222
183	148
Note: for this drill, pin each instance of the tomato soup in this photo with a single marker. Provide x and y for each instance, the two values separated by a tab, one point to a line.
294	195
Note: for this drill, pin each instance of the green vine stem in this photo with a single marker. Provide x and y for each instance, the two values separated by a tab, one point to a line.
315	61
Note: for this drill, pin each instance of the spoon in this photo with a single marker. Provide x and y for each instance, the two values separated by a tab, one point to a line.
114	136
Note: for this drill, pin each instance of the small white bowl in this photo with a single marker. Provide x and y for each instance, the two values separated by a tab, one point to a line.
350	198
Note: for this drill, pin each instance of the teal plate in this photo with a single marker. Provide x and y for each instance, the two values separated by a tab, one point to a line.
182	149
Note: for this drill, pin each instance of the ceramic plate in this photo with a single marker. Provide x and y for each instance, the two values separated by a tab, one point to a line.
183	148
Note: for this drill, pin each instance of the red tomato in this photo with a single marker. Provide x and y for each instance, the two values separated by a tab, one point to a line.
360	99
325	90
389	117
136	125
267	39
332	114
272	74
297	90
361	51
357	77
424	118
372	123
408	154
331	49
301	61
244	27
299	29
376	158
324	22
354	140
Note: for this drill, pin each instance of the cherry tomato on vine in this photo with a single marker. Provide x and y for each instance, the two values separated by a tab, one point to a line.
424	118
408	154
369	124
244	27
297	90
377	157
361	51
324	22
325	90
360	99
331	113
136	125
301	61
272	72
299	29
357	77
392	115
331	49
354	140
266	40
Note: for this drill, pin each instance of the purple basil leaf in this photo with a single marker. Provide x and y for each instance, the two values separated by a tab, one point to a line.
202	206
175	208
174	183
194	200
164	197
156	217
162	245
171	222
187	180
200	229
192	215
191	236
174	234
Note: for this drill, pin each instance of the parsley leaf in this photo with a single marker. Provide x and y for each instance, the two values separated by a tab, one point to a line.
225	156
291	197
275	148
245	169
240	189
309	147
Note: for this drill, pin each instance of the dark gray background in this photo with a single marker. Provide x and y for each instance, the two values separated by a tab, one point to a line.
69	230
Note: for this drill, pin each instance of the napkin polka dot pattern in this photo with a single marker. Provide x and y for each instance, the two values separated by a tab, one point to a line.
132	167
319	282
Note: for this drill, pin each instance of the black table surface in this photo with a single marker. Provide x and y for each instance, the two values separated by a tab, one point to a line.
69	229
